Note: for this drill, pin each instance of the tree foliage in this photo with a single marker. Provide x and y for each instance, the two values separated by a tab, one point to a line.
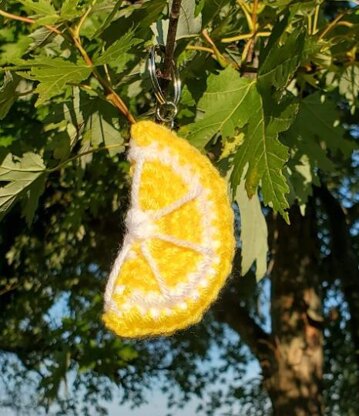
270	94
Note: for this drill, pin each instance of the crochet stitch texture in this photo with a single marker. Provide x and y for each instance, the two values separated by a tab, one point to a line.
179	245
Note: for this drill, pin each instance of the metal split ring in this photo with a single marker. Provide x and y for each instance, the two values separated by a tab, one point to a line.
166	108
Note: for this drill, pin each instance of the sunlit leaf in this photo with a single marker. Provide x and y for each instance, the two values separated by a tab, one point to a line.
254	233
22	176
55	74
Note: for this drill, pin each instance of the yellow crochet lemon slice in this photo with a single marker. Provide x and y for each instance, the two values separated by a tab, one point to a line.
179	245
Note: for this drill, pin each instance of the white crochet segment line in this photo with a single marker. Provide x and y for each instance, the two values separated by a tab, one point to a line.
141	227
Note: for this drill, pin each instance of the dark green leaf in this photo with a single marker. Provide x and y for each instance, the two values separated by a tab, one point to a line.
280	60
101	125
117	54
318	124
8	94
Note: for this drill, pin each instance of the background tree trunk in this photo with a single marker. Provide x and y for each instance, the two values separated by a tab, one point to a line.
295	383
291	356
344	260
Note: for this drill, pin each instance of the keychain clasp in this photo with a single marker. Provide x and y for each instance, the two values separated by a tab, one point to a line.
166	109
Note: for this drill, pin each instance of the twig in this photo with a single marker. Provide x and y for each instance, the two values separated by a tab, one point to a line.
248	50
88	152
111	95
14	17
8	289
27	20
254	14
171	40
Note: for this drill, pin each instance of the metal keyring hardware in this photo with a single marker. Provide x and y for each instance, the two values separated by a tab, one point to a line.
166	108
166	112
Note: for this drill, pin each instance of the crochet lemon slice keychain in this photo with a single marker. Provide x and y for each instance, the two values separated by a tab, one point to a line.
179	245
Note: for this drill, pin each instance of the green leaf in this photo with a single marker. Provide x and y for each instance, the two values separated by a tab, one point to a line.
226	105
315	136
265	154
23	177
43	7
189	23
13	168
11	53
109	18
301	179
139	18
318	122
117	54
31	201
232	103
211	10
101	125
55	74
349	84
254	232
8	94
69	9
281	61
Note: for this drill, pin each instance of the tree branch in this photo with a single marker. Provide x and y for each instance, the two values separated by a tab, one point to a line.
230	311
171	40
353	213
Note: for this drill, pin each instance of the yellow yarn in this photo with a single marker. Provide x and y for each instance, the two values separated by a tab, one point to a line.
180	242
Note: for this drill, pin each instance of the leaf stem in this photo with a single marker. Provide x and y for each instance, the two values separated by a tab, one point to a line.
83	18
88	152
111	95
